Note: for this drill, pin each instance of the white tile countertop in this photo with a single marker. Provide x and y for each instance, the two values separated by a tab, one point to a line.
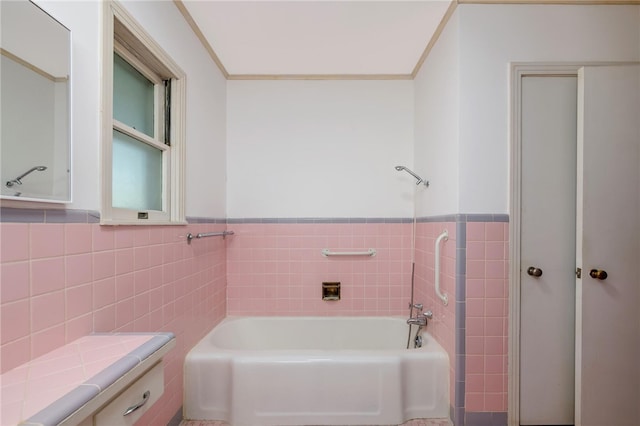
50	388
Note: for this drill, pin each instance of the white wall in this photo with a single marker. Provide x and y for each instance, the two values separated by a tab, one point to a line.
436	124
84	21
462	99
206	100
319	148
206	105
491	36
327	148
28	130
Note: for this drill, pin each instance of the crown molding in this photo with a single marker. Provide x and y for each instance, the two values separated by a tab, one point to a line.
555	2
196	29
27	64
434	38
198	32
320	77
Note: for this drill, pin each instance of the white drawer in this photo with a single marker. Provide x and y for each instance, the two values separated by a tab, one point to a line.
113	413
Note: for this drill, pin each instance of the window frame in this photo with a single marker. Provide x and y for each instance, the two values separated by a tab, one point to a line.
124	36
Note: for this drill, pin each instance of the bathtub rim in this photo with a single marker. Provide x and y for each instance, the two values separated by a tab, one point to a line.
212	350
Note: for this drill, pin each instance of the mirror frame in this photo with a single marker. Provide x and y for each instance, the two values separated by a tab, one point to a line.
68	196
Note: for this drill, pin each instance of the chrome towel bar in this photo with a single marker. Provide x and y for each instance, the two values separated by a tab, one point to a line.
222	234
327	252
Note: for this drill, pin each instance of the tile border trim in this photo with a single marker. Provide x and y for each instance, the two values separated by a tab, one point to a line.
177	418
486	418
461	416
319	220
464	218
461	319
23	215
197	220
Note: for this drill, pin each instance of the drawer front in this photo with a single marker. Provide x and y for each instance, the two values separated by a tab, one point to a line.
113	414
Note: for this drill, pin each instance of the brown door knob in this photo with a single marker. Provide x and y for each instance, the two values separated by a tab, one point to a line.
598	274
534	272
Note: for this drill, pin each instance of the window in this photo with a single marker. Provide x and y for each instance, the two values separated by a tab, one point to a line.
143	127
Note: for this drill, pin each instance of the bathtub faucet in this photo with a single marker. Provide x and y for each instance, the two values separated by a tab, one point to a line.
420	320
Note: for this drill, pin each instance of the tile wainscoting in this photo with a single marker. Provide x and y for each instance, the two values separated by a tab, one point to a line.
64	276
473	326
275	267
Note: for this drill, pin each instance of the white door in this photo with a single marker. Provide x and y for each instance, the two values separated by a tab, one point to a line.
547	218
608	239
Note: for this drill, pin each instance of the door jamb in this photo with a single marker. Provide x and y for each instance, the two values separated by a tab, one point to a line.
517	72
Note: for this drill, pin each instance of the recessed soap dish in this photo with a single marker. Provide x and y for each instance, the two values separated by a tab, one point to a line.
331	291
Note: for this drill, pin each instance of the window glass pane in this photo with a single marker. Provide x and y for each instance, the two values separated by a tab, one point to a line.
137	174
132	97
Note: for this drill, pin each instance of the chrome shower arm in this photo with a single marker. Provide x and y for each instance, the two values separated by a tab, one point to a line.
17	180
418	178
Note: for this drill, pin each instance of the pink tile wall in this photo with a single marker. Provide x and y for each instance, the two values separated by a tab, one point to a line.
486	307
62	281
59	282
486	316
278	269
442	327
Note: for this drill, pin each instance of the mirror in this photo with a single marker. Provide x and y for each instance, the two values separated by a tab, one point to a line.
35	131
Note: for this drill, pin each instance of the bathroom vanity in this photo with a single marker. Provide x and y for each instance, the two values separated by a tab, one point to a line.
100	379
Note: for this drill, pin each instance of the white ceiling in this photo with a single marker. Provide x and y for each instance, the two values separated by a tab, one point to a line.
317	37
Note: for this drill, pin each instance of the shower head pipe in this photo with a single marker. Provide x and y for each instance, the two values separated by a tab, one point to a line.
418	178
19	182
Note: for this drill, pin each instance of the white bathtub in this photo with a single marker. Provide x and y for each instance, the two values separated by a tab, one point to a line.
315	370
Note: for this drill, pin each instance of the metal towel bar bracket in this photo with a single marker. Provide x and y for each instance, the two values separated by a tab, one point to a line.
370	252
222	234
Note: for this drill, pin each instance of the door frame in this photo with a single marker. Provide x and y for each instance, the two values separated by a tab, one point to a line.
518	70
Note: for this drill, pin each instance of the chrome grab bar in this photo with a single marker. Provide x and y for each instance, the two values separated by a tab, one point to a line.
444	236
327	253
222	234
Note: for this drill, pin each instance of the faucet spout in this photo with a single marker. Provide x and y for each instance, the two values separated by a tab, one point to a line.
421	321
